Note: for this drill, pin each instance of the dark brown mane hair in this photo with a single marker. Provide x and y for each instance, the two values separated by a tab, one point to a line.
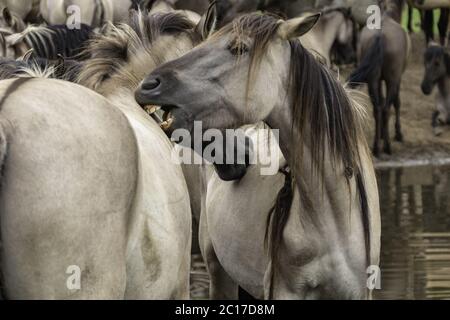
324	117
110	51
322	110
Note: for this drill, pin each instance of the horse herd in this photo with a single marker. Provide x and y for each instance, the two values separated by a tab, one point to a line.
88	179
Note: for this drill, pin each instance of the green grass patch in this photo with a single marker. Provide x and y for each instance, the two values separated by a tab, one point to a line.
416	21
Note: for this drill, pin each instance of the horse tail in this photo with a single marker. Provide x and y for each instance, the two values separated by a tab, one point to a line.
371	63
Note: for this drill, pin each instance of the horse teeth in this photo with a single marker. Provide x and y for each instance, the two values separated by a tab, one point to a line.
152	109
166	115
166	124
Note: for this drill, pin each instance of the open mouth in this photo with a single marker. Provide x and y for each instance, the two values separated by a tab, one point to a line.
162	115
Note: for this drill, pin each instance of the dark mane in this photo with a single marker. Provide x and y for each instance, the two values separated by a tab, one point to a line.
324	118
111	50
51	41
322	110
322	106
150	27
38	67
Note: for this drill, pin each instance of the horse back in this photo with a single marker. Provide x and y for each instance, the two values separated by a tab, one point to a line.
68	181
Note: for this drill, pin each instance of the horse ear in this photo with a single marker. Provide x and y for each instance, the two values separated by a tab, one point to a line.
208	23
297	27
7	16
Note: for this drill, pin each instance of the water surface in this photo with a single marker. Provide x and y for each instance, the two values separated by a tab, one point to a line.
415	252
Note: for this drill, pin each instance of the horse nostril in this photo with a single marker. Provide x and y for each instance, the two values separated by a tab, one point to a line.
151	84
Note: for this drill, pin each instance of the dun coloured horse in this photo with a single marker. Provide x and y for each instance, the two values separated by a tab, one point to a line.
437	73
92	12
383	56
321	245
59	211
106	218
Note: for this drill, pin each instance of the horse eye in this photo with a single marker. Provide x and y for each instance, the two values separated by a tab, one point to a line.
238	50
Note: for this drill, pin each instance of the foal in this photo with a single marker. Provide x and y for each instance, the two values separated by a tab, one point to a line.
437	72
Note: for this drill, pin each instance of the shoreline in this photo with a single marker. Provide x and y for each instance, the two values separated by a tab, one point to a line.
424	161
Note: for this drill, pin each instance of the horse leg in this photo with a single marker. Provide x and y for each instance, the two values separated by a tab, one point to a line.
221	286
427	25
391	94
435	123
443	25
385	118
410	15
375	97
398	129
434	119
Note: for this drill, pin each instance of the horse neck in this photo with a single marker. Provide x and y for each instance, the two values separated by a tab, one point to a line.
327	31
326	205
323	186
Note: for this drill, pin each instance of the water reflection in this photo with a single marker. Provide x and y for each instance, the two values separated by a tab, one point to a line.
415	254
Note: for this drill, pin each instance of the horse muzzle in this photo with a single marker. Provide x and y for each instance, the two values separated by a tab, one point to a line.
427	88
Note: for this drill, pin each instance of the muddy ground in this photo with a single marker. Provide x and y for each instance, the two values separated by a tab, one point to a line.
420	144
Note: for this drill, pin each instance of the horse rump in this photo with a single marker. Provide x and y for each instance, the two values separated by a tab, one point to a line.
370	65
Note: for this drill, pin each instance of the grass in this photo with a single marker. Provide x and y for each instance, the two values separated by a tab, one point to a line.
416	20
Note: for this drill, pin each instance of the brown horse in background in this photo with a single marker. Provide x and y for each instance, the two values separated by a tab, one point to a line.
383	57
